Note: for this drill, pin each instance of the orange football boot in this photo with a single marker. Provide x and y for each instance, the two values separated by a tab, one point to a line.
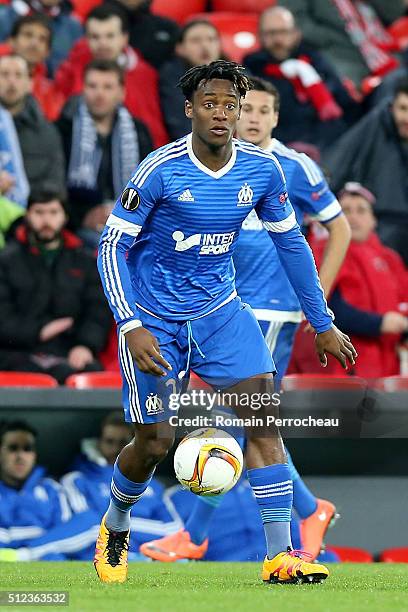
111	554
174	547
314	527
290	568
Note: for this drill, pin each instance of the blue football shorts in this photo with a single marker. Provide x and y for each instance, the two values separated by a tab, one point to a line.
280	337
222	348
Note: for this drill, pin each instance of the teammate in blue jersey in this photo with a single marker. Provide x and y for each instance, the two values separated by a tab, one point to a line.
262	283
270	293
165	260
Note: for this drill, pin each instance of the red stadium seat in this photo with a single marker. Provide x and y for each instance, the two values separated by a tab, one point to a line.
26	379
95	380
179	10
349	554
394	555
391	384
399	31
310	382
243	6
238	32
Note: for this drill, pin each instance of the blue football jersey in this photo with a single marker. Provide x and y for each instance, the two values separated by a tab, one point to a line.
260	277
167	246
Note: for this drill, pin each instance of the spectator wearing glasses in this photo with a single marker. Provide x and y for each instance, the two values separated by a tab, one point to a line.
88	487
317	108
351	34
31	503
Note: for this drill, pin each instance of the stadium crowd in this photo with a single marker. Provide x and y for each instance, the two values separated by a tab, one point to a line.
87	90
85	95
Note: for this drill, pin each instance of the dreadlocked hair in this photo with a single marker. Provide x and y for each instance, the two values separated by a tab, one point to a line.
220	69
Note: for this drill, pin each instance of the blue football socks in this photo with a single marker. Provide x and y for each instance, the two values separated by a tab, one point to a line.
272	487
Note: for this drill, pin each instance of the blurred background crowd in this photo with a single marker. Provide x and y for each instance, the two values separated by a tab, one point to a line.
87	90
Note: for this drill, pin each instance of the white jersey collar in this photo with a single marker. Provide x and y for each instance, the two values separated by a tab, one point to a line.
219	173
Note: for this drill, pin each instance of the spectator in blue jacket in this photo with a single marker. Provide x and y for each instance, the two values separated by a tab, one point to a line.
66	29
31	504
87	488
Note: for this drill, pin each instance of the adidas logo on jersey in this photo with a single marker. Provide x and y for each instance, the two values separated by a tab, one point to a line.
186	196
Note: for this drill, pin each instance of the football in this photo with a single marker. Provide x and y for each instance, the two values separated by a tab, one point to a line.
208	461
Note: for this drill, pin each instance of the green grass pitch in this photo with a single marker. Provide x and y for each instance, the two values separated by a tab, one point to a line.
209	587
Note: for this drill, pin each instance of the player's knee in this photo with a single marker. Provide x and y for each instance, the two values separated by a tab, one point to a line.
156	450
153	444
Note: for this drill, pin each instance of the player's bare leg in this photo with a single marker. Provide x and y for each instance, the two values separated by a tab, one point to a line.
132	473
269	476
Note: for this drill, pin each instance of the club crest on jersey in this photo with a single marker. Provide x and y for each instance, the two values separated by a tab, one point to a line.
283	197
154	405
130	199
245	195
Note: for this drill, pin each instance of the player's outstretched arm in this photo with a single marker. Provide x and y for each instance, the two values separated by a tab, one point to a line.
337	344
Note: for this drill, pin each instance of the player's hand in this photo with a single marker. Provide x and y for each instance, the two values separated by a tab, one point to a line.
79	357
145	351
55	328
334	342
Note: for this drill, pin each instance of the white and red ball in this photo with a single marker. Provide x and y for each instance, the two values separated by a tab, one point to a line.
208	461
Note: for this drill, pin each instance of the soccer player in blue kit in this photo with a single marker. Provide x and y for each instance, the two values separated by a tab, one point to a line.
261	282
165	260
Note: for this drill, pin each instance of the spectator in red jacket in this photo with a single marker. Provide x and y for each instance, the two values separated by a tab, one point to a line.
371	290
31	38
66	28
107	38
